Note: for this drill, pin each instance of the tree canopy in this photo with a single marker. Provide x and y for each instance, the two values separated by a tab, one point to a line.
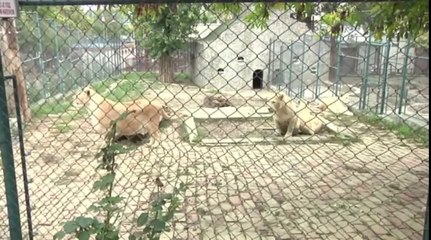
66	25
167	29
392	19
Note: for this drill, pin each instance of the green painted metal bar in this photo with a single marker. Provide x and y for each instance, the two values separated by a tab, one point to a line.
426	233
362	81
270	67
317	93
23	160
289	48
273	59
396	58
379	82
117	52
403	93
6	151
41	63
337	74
57	59
281	67
364	95
302	90
383	103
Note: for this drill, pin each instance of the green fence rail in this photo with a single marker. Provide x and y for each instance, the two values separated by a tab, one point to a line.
214	120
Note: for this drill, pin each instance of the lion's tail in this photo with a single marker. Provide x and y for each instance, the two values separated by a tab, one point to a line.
335	128
163	111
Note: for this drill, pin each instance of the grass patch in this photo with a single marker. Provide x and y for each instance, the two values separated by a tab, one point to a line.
63	127
344	140
55	107
69	116
63	124
401	129
184	78
129	86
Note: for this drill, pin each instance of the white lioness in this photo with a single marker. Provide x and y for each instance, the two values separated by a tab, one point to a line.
143	116
292	116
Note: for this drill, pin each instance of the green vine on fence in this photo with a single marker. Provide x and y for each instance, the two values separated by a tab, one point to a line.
152	223
155	221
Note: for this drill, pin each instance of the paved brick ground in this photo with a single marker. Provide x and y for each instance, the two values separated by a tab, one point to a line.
375	189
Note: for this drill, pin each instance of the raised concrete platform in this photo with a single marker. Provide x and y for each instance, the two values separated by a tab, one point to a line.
269	140
231	113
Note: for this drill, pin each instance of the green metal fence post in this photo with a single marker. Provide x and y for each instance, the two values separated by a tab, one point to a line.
290	67
385	79
317	71
270	67
8	165
41	62
57	59
403	85
23	160
281	67
337	74
302	68
364	90
426	224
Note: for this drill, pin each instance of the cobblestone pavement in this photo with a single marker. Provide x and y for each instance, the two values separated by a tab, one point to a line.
375	189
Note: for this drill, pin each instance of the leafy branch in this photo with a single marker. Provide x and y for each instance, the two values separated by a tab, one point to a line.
392	19
155	221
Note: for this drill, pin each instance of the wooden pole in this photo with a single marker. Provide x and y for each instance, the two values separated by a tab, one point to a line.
13	64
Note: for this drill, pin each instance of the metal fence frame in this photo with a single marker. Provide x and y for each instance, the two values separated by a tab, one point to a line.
5	137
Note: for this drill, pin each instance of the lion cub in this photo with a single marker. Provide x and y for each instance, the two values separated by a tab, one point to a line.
143	116
293	116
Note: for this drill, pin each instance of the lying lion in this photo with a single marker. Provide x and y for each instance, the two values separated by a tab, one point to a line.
292	116
143	116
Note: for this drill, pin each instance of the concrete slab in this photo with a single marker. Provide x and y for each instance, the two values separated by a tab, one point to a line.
231	113
191	129
296	139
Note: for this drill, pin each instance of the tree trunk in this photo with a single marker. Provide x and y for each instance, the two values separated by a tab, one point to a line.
14	65
167	68
333	57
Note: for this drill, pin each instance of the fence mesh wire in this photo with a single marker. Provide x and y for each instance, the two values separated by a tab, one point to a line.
232	91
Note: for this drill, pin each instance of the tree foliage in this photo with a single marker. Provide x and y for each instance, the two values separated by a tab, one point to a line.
63	27
167	28
163	29
396	19
49	27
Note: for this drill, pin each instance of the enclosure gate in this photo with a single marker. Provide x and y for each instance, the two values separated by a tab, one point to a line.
8	164
285	62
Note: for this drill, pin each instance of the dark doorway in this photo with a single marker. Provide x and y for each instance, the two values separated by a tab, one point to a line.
348	65
258	79
421	62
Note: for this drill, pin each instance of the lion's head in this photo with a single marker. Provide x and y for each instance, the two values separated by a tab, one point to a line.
83	97
280	101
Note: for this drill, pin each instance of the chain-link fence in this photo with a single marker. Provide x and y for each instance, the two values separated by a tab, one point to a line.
282	121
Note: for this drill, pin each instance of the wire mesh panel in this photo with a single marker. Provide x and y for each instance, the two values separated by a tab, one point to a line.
220	120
